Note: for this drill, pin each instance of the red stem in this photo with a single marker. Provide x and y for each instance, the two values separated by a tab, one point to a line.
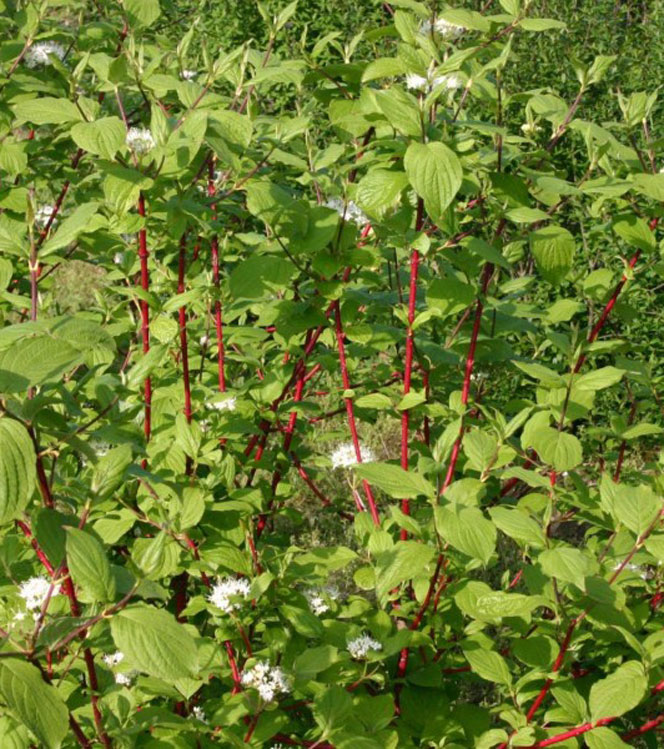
350	409
145	315
410	350
182	317
609	306
214	248
470	363
403	658
237	683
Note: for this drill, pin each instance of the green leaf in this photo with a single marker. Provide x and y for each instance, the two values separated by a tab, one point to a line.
489	665
47	111
643	429
599	68
449	295
402	112
480	448
142	13
635	231
539	372
619	692
48	528
561	450
110	470
17	469
303	621
604	738
332	709
153	641
553	249
517	525
379	190
566	564
383	67
35	361
540	24
259	275
37	705
79	222
394	481
636	507
526	215
651	185
89	566
104	137
405	561
599	379
468	530
435	174
314	660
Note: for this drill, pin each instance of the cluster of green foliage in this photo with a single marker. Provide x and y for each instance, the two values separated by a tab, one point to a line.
388	275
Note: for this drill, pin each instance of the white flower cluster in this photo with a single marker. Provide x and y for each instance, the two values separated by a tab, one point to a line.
227	589
361	646
530	128
199	714
188	75
268	681
420	83
348	211
34	592
443	28
112	659
228	404
43	214
317	600
139	140
124	679
344	456
644	574
40	53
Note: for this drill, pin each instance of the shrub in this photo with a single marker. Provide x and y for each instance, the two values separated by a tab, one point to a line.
330	425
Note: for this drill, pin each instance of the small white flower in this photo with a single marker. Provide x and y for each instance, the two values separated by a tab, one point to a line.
451	81
199	714
226	589
530	128
125	680
316	601
43	214
316	598
419	83
344	456
19	616
635	568
204	340
118	258
228	404
40	53
139	140
360	647
443	28
188	75
112	659
348	211
268	681
34	591
100	448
